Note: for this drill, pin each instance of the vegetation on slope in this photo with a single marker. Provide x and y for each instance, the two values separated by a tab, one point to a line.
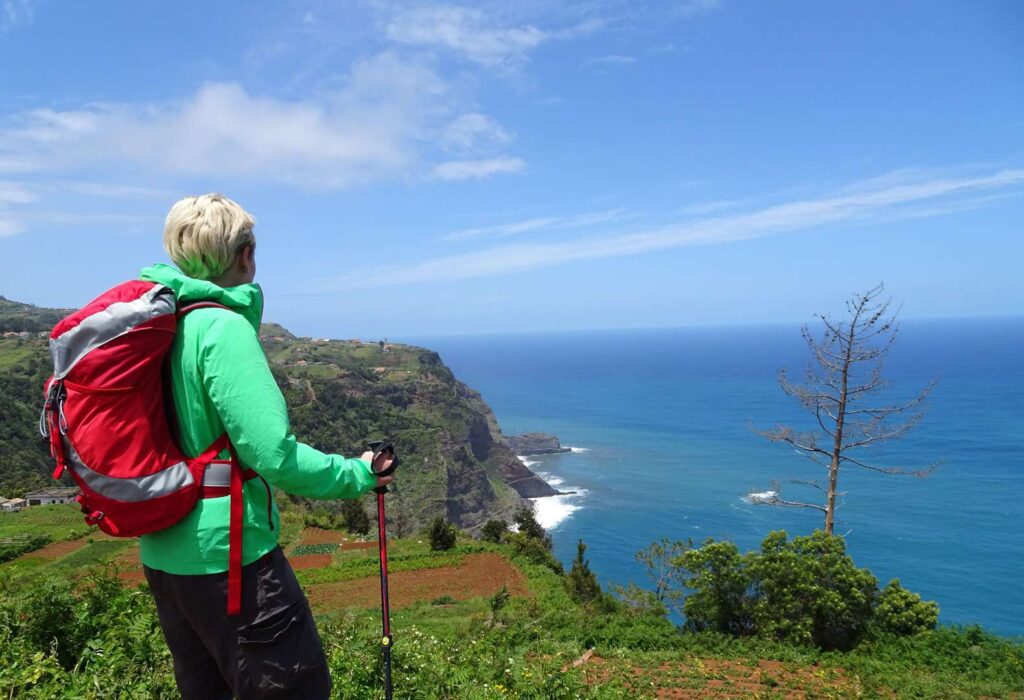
81	633
340	394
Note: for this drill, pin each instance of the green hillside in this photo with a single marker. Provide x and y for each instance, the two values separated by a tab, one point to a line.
340	393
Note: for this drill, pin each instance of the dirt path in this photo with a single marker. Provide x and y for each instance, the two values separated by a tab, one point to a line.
477	575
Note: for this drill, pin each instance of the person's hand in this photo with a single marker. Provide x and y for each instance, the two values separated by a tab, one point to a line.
383	461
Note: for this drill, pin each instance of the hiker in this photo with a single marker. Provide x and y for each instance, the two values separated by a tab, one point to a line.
220	382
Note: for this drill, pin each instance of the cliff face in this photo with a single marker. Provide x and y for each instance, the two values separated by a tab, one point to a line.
340	394
455	461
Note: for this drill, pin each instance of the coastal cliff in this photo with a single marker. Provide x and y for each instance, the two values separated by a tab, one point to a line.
340	393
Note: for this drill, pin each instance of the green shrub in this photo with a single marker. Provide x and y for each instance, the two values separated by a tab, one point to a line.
902	612
804	591
23	546
721	600
810	592
534	551
442	535
528	525
354	517
581	581
500	598
494	531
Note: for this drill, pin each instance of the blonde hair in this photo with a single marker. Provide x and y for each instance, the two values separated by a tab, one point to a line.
203	235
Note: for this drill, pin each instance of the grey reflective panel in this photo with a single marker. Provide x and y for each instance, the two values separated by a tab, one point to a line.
133	490
105	325
217	474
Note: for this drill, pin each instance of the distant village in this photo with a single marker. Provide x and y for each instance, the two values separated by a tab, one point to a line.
46	497
25	334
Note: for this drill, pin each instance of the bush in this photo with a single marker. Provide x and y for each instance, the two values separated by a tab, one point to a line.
721	600
581	581
494	530
534	551
354	517
442	535
14	550
810	591
805	591
902	612
528	525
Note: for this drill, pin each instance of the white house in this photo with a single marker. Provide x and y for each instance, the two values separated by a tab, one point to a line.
13	505
55	495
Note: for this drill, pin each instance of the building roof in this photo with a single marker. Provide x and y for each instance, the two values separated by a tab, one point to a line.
56	492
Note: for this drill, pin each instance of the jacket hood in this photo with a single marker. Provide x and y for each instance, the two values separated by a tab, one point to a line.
246	299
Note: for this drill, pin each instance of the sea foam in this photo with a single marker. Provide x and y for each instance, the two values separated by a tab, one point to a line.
551	511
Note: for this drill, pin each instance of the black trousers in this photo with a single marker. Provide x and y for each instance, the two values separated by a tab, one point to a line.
270	650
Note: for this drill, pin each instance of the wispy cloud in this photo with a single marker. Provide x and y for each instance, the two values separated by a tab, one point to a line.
614	59
545	223
476	169
472	131
875	204
384	123
13	13
15	193
472	33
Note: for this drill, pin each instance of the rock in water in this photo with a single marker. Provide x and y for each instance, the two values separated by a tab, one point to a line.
535	444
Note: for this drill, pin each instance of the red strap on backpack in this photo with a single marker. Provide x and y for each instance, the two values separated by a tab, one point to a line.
235	538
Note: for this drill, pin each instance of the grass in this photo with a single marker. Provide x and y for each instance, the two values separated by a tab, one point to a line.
17	351
96	552
59	522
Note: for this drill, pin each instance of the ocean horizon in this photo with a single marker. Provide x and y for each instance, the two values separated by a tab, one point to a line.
660	425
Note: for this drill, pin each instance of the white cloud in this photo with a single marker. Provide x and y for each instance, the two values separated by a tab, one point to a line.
612	60
9	227
470	33
473	131
548	223
888	202
383	123
476	169
14	193
14	12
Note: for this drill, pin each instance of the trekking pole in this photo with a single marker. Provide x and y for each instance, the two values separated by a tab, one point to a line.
386	642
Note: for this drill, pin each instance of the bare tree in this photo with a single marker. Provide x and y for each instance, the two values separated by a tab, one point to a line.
840	388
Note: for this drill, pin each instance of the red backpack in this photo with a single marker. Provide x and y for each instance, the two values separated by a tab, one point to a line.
107	421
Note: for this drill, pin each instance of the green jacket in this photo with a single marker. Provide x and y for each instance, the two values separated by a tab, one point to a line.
221	381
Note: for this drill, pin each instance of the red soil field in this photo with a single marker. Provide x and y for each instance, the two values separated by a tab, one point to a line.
346	546
57	550
316	535
477	575
725	678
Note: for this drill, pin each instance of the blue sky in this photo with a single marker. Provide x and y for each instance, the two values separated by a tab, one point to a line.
434	168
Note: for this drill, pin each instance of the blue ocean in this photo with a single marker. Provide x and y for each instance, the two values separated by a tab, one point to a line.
662	425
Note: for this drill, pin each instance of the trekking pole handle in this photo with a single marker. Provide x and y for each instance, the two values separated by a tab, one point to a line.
379	447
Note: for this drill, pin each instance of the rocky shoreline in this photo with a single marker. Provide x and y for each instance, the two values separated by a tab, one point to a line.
531	444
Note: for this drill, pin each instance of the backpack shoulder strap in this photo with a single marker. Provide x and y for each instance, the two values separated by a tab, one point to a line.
200	305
